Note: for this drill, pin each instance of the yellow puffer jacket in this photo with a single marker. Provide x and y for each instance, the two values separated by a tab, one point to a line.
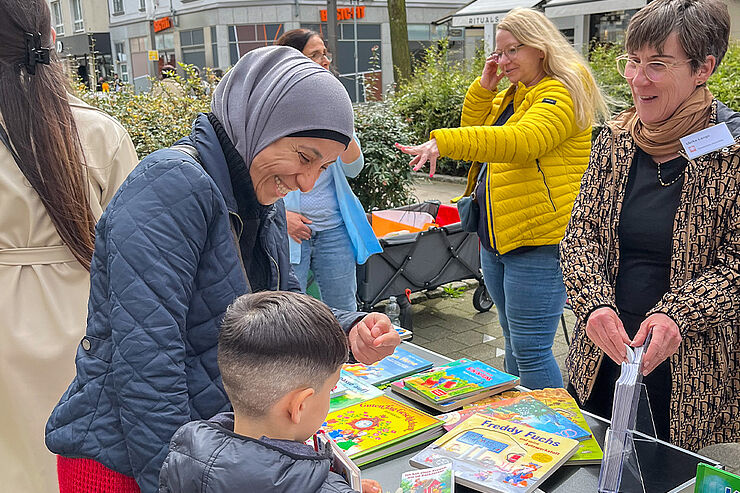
535	160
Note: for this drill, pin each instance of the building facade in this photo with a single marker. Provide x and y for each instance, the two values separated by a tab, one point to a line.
83	42
215	33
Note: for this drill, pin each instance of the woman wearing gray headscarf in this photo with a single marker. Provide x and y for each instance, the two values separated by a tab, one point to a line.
191	229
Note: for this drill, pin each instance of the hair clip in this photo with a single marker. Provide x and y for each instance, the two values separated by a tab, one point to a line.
35	53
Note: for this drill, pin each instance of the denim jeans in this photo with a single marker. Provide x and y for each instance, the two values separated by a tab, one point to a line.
329	254
528	291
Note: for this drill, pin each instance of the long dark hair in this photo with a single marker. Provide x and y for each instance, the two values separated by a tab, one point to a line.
40	125
297	38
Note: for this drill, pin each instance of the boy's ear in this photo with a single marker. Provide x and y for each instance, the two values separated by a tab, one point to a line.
297	403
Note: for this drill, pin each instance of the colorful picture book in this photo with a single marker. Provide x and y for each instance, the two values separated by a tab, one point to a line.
495	456
560	401
711	479
526	410
404	334
341	464
377	428
457	381
353	391
435	480
398	365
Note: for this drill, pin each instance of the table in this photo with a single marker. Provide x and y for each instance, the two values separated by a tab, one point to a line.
665	467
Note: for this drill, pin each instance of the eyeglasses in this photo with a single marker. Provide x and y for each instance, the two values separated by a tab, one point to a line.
510	53
655	71
317	57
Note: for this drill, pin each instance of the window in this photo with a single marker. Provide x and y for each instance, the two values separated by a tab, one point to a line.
165	42
138	45
77	15
245	38
142	5
193	47
124	72
57	19
117	7
120	50
214	45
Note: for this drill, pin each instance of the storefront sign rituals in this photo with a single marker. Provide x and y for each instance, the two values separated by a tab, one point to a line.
162	24
346	13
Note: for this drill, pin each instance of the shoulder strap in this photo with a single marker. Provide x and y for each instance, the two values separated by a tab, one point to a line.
189	150
6	140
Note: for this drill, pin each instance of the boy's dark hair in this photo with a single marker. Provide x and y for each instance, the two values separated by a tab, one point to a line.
274	342
297	38
702	26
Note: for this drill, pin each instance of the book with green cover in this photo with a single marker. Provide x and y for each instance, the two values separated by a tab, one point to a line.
455	382
711	479
560	401
352	391
382	426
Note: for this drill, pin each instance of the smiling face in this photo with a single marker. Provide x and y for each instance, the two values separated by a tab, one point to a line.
657	101
291	163
526	67
315	49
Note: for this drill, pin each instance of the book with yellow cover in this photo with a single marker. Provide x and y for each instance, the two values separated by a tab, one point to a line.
494	456
560	401
379	427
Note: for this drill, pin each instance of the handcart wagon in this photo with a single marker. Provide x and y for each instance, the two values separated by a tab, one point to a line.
421	260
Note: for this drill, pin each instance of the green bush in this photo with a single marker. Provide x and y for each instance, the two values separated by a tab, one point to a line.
433	97
385	181
725	83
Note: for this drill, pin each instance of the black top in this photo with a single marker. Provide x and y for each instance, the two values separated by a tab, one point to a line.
646	233
480	190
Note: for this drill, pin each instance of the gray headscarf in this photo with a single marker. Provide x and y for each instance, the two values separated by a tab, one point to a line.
274	92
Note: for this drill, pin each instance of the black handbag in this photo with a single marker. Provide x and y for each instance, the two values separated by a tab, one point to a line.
469	211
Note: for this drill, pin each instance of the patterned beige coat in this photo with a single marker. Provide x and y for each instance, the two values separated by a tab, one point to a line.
704	296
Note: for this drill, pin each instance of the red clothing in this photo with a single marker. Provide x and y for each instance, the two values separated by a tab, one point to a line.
89	476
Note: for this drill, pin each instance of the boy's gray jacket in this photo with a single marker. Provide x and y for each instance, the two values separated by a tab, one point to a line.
208	457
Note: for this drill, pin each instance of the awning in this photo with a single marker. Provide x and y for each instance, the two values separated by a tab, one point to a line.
482	12
567	8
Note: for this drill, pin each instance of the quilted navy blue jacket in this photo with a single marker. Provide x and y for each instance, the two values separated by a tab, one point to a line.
165	267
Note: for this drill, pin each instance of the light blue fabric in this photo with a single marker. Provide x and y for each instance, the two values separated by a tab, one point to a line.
355	221
528	291
329	254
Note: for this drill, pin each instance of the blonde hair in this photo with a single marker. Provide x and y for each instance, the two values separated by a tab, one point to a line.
561	62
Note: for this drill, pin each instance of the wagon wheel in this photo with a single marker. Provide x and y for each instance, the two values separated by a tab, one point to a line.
482	301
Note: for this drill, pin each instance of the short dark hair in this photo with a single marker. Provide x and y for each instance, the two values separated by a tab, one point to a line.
703	28
274	342
297	38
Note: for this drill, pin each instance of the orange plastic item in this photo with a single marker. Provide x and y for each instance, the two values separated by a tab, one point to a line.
383	226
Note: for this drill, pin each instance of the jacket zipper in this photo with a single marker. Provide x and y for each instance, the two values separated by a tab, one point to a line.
545	182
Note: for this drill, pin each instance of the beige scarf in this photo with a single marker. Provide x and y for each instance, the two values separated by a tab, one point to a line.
661	138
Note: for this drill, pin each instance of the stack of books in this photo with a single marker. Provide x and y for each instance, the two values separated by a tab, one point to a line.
374	429
455	384
398	365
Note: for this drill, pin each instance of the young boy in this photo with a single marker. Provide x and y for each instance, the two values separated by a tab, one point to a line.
279	354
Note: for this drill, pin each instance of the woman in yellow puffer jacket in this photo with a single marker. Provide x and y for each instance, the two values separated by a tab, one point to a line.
535	137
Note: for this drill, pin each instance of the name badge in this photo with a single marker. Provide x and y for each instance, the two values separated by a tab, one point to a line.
707	140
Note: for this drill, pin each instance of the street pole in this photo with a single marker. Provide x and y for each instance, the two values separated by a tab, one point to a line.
331	27
356	4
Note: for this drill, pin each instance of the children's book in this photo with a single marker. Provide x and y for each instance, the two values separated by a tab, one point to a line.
404	334
377	428
458	381
398	365
560	401
495	456
437	480
353	391
341	464
710	479
525	410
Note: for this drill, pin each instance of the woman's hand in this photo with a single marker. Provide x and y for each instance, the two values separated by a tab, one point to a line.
373	338
427	151
606	331
370	486
297	228
664	343
490	77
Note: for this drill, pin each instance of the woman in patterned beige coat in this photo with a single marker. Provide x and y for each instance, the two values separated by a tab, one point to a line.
653	245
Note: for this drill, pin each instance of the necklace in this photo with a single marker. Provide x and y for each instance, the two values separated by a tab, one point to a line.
660	178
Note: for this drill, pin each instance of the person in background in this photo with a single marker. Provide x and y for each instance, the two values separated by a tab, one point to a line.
61	161
653	246
280	355
191	229
535	137
328	228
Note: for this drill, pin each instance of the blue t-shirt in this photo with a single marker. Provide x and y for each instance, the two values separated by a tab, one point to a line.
320	205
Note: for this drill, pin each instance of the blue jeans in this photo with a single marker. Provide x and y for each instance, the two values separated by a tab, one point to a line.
329	254
528	291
